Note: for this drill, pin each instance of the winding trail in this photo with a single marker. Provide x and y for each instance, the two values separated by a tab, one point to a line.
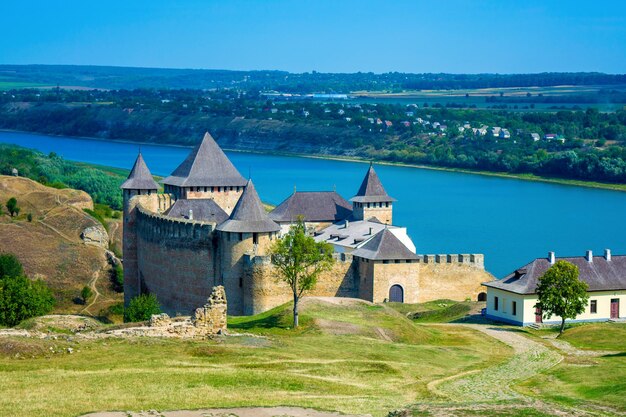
494	383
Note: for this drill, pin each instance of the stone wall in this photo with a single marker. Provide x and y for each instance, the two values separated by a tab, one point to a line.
266	290
384	214
176	260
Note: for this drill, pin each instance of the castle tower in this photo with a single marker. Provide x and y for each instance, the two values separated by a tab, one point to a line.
139	182
207	173
372	200
247	233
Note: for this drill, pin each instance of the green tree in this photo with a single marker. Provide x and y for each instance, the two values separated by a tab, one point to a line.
10	266
299	260
21	298
561	293
86	294
12	207
141	308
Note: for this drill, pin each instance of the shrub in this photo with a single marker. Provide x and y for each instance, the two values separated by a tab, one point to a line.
12	207
29	217
86	294
117	276
141	308
21	298
10	266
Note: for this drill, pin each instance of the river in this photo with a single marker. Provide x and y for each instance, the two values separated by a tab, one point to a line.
510	221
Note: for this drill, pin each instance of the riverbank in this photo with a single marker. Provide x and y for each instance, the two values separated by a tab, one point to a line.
507	175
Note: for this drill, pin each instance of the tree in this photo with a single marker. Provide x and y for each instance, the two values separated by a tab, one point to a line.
86	294
10	266
12	207
299	260
21	298
561	293
141	308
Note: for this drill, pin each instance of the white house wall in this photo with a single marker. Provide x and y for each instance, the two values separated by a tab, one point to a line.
526	307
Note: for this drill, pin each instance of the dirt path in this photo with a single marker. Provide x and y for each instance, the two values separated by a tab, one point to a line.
231	412
94	288
493	384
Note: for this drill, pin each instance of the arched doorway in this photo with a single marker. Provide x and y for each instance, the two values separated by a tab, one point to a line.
396	294
482	296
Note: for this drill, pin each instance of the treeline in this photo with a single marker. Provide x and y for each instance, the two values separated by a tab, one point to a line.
54	171
131	78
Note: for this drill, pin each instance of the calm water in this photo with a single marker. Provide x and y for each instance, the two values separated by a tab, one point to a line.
510	221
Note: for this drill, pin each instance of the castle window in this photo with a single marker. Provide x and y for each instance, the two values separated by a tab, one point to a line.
240	237
255	238
387	204
212	189
240	282
368	205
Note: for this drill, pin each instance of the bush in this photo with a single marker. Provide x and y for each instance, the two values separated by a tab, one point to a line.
117	276
29	217
12	207
141	308
86	294
21	299
10	266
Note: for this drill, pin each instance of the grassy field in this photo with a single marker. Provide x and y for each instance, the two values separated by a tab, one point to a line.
439	311
598	378
337	360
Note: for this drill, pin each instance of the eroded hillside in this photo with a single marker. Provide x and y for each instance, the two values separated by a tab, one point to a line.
48	237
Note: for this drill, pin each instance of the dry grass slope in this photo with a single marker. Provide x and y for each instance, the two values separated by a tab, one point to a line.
50	246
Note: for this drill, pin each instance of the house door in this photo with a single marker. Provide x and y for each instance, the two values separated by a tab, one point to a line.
538	315
615	308
396	294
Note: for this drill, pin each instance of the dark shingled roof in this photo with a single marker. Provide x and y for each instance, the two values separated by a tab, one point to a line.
372	190
203	209
384	246
600	275
249	215
140	177
315	206
206	166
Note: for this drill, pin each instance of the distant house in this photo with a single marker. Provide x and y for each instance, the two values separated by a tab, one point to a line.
495	131
482	131
341	112
409	114
379	122
348	119
388	123
535	137
554	136
436	125
513	298
273	110
443	128
406	124
505	134
371	120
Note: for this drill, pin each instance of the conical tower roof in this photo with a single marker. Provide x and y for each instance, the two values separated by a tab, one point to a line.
140	177
249	215
207	165
372	190
385	246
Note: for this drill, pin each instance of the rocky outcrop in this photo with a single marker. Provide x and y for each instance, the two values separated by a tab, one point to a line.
95	235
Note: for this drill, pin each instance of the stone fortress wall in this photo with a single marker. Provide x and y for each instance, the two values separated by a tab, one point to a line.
180	261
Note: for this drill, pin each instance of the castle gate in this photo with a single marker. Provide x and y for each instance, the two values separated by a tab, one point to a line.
396	294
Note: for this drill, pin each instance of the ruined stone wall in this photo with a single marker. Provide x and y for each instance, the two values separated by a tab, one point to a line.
176	260
267	291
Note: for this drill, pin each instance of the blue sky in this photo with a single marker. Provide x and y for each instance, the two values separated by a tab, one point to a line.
458	36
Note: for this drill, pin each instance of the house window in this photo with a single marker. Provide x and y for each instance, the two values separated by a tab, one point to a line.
255	238
495	303
240	237
593	306
515	308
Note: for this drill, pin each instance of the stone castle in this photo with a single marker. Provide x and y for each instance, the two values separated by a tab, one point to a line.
209	228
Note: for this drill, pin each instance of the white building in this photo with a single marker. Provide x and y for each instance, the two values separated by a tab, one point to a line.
513	298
